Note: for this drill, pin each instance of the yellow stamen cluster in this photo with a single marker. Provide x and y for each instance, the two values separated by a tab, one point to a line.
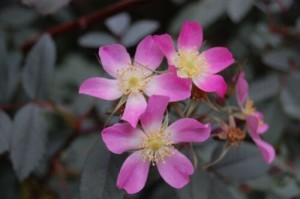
249	107
156	147
133	79
189	64
235	136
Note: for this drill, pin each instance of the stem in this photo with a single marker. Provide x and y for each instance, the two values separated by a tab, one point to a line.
84	21
221	156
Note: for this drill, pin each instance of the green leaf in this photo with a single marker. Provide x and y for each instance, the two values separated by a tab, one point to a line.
100	172
205	186
277	120
242	163
138	30
280	59
206	12
29	135
258	91
290	97
96	39
17	17
237	9
5	132
46	6
9	75
38	70
119	23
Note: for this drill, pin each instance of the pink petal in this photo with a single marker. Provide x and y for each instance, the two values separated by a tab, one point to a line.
135	106
188	130
191	36
152	118
166	45
176	170
133	174
218	59
266	149
262	126
241	89
101	87
211	83
169	85
120	138
114	57
148	53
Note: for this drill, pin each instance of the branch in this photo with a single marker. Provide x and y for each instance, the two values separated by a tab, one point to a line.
84	21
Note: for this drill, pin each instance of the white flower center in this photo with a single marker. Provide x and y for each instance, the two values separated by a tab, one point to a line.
156	146
133	79
189	64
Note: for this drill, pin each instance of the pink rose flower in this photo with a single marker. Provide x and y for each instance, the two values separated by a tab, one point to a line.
254	119
134	78
153	143
201	68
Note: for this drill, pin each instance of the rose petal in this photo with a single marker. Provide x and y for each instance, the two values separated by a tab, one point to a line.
148	53
166	45
120	138
191	36
176	170
152	118
101	87
266	149
218	59
188	130
169	85
114	57
133	174
262	126
241	89
211	83
135	106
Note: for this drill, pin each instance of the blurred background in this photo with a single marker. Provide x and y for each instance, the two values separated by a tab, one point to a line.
48	131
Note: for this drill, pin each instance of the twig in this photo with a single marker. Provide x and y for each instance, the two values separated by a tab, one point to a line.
84	21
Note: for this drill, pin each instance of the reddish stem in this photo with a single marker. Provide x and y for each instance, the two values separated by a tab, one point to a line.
84	21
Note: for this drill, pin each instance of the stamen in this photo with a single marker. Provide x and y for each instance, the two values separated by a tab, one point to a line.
235	136
156	147
249	107
189	64
133	79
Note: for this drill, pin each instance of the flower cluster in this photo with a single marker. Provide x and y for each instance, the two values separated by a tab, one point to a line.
147	93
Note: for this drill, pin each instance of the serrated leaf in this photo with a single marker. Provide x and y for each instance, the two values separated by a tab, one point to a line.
96	39
290	97
38	70
205	186
138	30
264	88
46	6
118	24
5	132
29	135
100	172
280	59
237	9
205	12
16	17
9	75
241	163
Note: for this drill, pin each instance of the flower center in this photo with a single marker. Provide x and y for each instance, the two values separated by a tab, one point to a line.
235	136
249	107
189	64
156	146
133	79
